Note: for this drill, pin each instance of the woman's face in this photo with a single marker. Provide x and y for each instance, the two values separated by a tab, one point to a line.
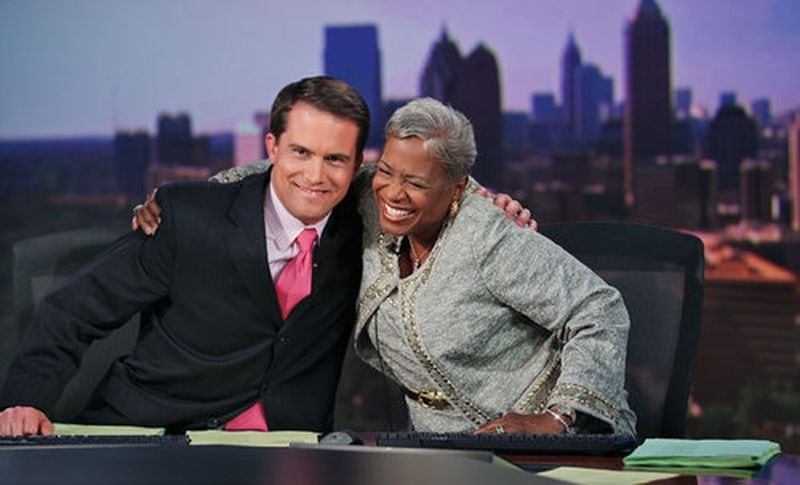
412	190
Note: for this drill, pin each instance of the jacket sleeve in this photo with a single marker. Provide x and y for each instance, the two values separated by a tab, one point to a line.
557	292
236	174
126	278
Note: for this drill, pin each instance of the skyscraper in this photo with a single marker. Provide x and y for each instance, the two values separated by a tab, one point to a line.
732	137
596	101
761	111
757	187
472	86
546	121
727	98
175	144
478	97
515	132
794	171
607	105
131	158
571	87
648	113
440	74
544	107
683	102
352	55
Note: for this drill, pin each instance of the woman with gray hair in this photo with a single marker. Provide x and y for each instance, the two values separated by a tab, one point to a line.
484	325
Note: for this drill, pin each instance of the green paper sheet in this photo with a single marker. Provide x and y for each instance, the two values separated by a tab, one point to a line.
703	453
103	430
251	438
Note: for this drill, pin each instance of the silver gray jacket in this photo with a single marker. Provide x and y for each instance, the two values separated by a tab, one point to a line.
502	320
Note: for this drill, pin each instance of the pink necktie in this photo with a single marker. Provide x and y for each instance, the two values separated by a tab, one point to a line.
292	285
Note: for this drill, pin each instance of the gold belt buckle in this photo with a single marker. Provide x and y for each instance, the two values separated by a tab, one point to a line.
430	399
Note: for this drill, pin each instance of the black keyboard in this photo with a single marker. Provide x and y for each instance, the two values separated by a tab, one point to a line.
91	441
580	444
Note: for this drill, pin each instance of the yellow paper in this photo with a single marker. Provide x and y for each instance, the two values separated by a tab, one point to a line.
695	471
68	429
596	476
251	438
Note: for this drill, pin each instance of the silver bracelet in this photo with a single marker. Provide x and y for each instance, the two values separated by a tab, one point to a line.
561	420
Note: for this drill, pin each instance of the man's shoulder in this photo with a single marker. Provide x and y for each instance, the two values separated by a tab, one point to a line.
208	190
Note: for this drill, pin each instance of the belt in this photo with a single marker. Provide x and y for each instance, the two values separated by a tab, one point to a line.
427	399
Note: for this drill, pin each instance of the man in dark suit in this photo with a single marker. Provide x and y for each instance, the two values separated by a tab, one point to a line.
213	343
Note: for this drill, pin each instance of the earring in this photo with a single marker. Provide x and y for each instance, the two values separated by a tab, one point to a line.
454	208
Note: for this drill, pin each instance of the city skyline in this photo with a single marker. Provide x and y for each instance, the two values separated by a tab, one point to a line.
99	65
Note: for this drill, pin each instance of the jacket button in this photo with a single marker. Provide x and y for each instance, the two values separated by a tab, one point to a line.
213	423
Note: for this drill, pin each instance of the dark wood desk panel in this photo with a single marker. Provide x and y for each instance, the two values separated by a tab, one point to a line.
243	465
310	466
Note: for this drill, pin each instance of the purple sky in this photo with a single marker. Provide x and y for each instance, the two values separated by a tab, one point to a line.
80	67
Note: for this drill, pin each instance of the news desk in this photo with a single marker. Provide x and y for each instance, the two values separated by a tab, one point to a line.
308	465
250	465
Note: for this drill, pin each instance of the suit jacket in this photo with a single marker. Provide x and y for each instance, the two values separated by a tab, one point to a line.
212	340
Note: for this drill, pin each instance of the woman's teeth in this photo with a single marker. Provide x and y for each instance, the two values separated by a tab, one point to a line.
391	211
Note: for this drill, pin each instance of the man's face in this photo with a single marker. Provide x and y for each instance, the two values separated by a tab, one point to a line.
313	162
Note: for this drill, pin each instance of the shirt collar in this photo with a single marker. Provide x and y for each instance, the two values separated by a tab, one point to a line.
284	227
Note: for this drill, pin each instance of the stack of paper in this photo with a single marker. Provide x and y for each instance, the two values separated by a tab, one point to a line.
62	429
717	457
251	438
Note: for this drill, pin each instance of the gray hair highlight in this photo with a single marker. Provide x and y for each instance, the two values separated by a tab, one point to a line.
446	133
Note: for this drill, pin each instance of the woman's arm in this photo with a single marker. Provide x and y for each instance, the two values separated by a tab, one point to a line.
541	281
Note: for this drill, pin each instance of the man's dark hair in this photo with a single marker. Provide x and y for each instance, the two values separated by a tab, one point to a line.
326	94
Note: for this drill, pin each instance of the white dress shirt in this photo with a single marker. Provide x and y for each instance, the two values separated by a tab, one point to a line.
282	228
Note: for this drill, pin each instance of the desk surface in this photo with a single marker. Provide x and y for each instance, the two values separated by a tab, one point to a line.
308	466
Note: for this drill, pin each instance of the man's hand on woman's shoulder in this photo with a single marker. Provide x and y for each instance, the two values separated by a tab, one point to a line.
512	207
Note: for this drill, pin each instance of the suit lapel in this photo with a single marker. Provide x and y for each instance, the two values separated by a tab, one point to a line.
247	246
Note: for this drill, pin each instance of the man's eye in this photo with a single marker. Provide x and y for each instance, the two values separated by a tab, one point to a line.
384	171
300	151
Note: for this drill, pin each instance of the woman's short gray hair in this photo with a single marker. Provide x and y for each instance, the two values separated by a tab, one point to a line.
446	133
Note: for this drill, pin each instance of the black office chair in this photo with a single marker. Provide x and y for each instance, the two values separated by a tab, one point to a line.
660	275
40	264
